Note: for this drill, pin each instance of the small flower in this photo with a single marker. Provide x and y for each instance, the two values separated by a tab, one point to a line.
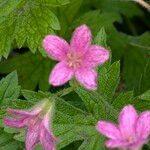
37	123
77	59
132	131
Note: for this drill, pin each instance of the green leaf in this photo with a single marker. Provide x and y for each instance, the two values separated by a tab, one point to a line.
124	7
145	95
9	91
96	20
123	99
53	2
144	82
9	87
33	70
8	143
108	80
27	21
136	64
101	38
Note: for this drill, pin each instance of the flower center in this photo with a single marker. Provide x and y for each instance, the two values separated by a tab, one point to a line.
130	139
74	60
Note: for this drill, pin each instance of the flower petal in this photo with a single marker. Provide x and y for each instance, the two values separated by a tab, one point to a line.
81	39
116	144
56	47
127	121
87	78
20	113
108	129
14	122
46	118
60	74
95	56
143	125
32	136
47	139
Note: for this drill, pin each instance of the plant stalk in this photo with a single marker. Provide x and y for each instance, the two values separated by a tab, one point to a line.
143	3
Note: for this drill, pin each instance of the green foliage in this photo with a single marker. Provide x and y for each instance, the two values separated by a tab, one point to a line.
108	80
33	72
7	142
27	21
70	123
127	8
9	91
122	80
145	95
136	63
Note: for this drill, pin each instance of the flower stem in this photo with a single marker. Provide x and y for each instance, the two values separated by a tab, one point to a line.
143	3
64	91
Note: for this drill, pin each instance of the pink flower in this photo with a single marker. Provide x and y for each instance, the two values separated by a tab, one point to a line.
132	131
37	124
77	59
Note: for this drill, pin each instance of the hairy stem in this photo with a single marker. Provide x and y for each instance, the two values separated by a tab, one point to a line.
143	3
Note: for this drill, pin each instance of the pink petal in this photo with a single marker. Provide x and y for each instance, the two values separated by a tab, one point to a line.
14	123
60	74
96	55
108	129
81	39
127	121
46	118
87	78
138	144
56	47
143	125
38	108
116	144
32	136
47	139
20	113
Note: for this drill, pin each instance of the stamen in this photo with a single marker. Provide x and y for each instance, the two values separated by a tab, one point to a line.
74	60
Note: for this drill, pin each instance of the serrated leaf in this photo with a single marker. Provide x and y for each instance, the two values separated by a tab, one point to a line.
9	87
101	38
33	70
27	21
9	91
108	80
123	99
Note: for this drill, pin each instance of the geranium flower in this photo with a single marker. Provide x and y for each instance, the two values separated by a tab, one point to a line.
77	59
37	124
131	133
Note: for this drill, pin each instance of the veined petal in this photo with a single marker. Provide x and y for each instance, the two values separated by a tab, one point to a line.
96	55
143	125
127	121
81	39
109	130
20	113
46	118
47	139
87	77
60	74
32	136
116	144
56	47
14	122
